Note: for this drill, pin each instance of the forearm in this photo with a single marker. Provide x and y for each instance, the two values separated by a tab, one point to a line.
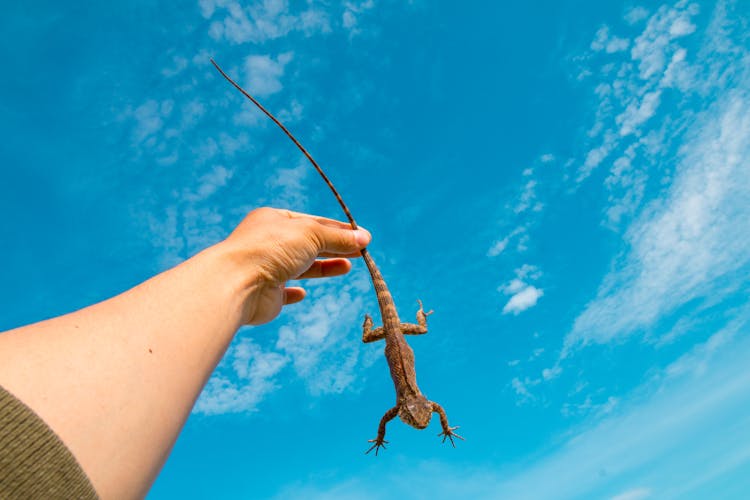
117	380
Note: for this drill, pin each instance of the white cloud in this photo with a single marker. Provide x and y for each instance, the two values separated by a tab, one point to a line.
551	373
547	158
210	182
616	44
348	20
528	271
638	112
263	73
523	295
287	186
684	245
352	12
523	300
630	92
636	14
191	112
521	388
319	340
589	407
498	247
681	27
179	63
658	39
254	373
261	21
149	118
528	198
608	43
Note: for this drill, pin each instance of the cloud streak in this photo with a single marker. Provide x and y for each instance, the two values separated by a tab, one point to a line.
684	246
631	89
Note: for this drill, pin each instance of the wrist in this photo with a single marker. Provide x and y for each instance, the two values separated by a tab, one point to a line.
238	274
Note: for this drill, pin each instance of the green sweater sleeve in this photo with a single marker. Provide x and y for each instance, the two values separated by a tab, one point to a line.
34	462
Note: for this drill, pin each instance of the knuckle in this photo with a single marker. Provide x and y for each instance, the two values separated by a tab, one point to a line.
262	212
313	231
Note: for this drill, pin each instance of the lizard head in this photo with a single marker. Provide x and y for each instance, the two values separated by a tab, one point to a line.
416	411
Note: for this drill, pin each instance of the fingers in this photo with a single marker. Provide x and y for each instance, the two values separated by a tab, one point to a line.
335	240
293	294
327	268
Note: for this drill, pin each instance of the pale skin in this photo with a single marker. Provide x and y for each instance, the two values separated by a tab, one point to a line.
118	379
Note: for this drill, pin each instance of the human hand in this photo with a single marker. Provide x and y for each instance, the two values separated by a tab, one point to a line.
280	245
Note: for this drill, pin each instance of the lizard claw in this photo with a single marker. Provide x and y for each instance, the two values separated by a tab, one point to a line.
421	308
378	443
449	434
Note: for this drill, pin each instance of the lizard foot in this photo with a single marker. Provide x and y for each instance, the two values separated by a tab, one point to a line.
378	443
449	434
421	308
368	321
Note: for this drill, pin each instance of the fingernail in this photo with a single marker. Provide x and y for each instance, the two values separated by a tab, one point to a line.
362	237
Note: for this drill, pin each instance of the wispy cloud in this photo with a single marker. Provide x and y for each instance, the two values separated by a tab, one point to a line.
630	88
149	119
608	43
519	233
320	342
263	73
319	338
684	246
522	388
254	376
526	205
261	21
352	13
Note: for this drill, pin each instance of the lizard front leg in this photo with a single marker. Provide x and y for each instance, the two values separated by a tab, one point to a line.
447	429
421	327
380	440
370	335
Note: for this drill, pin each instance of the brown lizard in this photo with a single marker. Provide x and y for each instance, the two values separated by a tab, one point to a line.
411	405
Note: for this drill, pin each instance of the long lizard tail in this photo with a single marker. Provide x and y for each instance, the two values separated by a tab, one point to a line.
295	141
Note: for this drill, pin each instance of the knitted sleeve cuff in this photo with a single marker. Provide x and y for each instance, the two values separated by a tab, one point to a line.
34	462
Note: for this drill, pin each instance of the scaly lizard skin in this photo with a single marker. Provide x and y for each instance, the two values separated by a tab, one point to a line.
411	405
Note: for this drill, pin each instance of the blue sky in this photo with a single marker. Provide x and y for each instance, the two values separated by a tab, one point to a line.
566	183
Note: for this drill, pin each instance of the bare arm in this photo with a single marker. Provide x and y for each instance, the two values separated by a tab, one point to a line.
118	379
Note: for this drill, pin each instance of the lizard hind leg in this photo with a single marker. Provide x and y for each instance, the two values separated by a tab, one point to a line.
368	333
421	327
